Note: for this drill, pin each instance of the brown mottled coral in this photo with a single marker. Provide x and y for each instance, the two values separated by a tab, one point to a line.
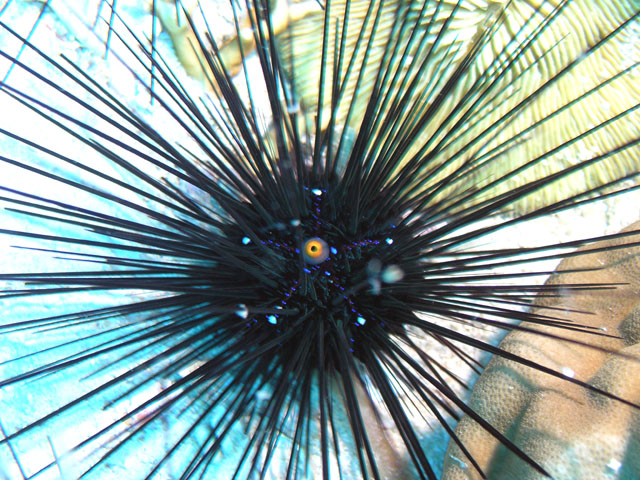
571	432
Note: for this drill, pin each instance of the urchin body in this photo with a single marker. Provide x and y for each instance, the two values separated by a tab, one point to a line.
321	266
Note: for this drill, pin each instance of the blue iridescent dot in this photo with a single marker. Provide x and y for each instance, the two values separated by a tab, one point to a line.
361	320
328	274
272	319
317	192
334	250
389	241
246	240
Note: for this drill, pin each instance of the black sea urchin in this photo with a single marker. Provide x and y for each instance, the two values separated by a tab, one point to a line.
270	268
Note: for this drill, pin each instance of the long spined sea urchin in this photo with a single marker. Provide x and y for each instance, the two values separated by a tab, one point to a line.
269	279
